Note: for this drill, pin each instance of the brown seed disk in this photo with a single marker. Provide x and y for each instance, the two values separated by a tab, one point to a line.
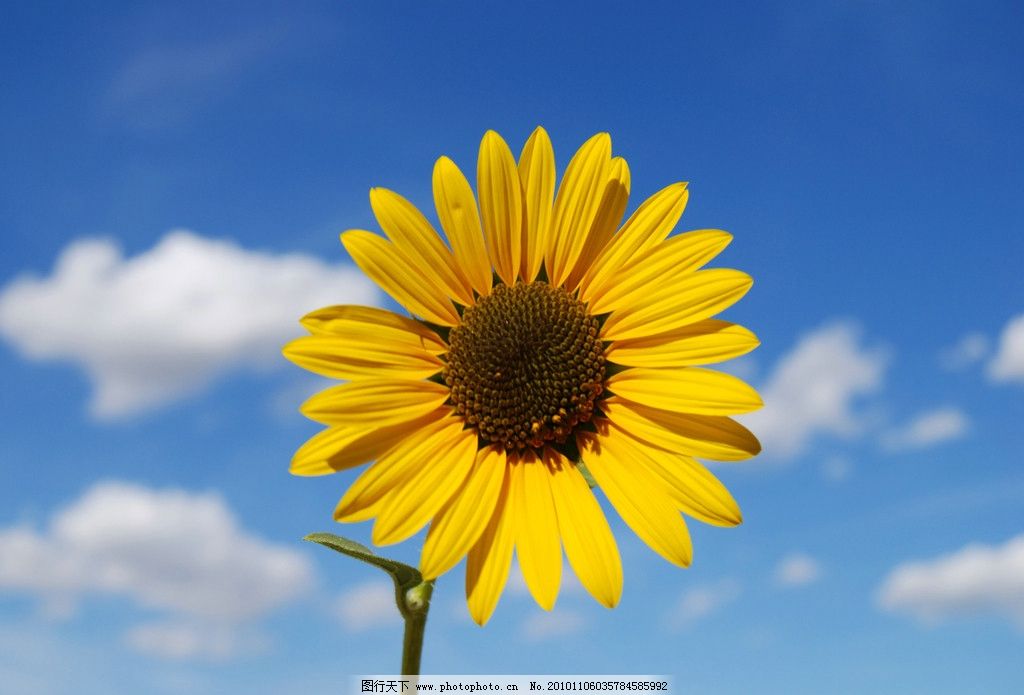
525	365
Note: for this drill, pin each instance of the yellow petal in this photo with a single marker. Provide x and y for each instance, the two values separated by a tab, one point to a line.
456	208
636	494
501	205
672	258
410	231
587	538
536	529
706	436
350	342
458	526
677	301
537	174
361	355
380	402
439	476
609	215
403	279
704	342
320	454
339	448
691	486
576	205
392	469
489	560
687	389
366	321
648	226
698	493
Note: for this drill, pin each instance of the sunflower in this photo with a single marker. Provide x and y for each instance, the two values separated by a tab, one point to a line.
549	350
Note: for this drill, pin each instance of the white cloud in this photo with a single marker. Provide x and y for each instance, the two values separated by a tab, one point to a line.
190	640
540	626
976	580
166	549
157	327
1008	362
970	349
700	602
928	429
797	569
812	390
367	606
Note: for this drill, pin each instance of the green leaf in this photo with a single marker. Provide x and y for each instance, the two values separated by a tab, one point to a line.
404	576
342	545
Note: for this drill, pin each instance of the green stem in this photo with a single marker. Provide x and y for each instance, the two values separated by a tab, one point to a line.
412	594
417	603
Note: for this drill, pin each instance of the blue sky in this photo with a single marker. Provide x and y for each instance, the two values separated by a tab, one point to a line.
865	155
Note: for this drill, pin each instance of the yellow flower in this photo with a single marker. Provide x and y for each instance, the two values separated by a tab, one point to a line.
543	343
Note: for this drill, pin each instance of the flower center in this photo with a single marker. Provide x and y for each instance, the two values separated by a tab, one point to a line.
525	365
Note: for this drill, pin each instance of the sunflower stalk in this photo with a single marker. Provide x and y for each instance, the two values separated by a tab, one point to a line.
412	593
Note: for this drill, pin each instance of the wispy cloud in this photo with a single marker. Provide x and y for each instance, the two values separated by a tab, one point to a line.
974	581
367	606
517	582
964	500
162	325
560	622
812	390
970	349
184	640
164	85
165	68
699	602
836	468
1008	363
797	569
928	429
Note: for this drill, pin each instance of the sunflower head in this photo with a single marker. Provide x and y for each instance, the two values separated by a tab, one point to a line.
545	335
525	365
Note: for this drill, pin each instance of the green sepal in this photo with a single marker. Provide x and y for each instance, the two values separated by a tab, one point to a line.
582	468
405	578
